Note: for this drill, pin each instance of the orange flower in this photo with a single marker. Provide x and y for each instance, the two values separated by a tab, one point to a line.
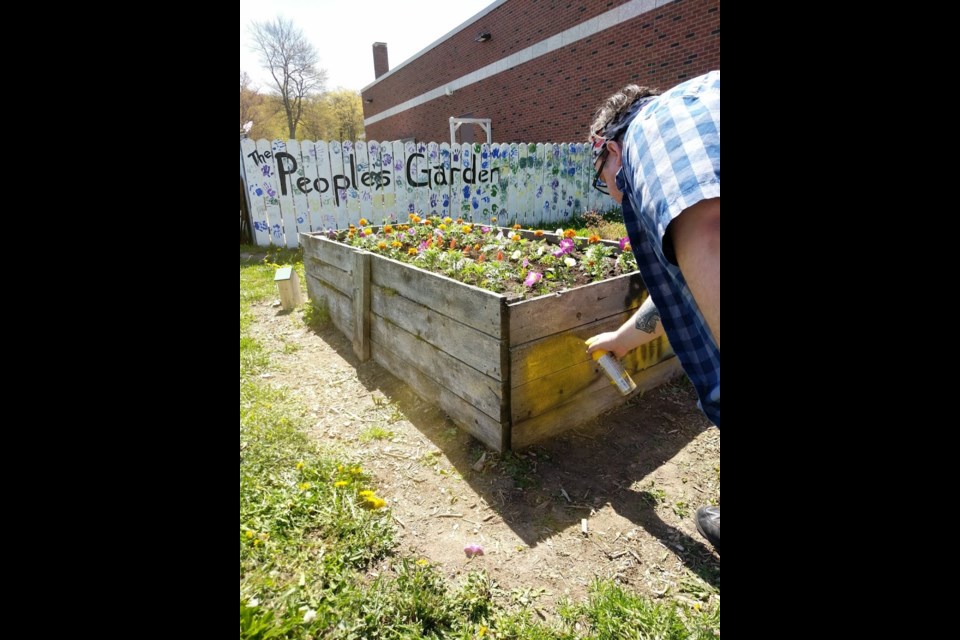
569	233
500	256
593	239
538	232
363	222
388	229
453	244
517	226
481	258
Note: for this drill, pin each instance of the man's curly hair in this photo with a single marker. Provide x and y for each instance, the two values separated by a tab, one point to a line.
617	105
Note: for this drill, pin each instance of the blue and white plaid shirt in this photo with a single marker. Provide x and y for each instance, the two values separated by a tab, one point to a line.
671	161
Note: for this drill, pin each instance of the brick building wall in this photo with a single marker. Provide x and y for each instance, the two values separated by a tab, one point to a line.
551	97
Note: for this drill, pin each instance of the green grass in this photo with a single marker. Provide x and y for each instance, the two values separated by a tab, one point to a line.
316	561
375	433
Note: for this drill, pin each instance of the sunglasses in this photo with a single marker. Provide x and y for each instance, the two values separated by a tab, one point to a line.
599	184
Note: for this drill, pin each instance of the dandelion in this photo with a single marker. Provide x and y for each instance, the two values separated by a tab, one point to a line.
366	493
356	471
341	483
249	534
300	465
423	563
533	278
256	542
305	485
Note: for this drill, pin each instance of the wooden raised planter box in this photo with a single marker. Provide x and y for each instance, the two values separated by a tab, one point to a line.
509	373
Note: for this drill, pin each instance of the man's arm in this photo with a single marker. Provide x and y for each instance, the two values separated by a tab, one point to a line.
696	241
641	328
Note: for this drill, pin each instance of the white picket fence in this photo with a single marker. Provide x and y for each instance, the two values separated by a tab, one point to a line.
314	186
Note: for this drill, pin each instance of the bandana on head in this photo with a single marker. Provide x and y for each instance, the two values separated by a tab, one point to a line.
616	126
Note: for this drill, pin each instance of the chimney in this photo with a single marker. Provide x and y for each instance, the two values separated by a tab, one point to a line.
380	63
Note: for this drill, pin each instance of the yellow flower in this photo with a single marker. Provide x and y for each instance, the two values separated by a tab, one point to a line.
368	231
423	562
442	227
300	465
448	219
341	483
366	493
466	228
414	218
377	503
356	470
493	221
363	222
381	245
249	534
256	542
396	244
482	631
305	485
388	229
412	251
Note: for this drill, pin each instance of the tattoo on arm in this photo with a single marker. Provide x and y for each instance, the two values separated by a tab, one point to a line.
648	319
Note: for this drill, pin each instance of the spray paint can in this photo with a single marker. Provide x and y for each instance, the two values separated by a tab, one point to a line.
615	371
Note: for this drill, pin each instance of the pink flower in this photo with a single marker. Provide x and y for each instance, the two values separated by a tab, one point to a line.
533	278
566	246
473	550
624	244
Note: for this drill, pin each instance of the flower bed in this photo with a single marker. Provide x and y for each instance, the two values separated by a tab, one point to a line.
516	263
509	367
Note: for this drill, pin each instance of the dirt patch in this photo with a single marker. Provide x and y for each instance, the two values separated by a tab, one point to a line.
636	475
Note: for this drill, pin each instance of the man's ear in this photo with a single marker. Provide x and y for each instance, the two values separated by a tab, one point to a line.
613	148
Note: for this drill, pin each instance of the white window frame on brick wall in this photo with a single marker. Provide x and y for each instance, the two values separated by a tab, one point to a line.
484	123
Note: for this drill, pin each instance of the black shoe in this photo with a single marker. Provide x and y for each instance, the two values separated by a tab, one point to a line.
708	524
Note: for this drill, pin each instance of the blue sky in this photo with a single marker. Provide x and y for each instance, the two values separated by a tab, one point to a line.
343	31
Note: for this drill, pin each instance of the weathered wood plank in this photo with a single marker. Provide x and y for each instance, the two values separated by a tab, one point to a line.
470	305
545	315
461	341
338	305
361	305
326	250
557	387
342	281
468	417
483	392
594	399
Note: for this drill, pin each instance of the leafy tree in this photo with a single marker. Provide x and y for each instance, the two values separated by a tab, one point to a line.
292	63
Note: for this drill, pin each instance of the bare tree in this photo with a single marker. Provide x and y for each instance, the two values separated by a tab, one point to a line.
292	63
